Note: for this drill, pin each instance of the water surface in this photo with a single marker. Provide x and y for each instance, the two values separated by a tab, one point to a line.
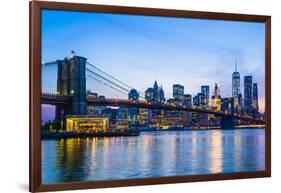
153	154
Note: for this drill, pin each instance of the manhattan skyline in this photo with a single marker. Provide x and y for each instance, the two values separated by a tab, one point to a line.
141	49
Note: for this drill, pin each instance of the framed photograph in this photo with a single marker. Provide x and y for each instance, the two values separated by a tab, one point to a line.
125	96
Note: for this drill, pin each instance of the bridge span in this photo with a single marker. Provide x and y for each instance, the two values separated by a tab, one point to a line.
57	99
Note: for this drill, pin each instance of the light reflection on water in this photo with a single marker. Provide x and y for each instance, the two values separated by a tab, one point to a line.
153	154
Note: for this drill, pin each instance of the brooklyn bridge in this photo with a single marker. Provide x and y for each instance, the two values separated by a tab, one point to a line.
69	96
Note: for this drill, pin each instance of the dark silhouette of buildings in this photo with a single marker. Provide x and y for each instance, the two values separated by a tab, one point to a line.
149	95
255	99
155	94
133	95
248	99
187	100
161	95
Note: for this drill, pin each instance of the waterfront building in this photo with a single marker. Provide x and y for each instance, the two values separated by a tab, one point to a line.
173	118
87	123
194	118
133	112
144	116
187	116
133	116
194	115
111	114
122	118
157	120
248	89
178	92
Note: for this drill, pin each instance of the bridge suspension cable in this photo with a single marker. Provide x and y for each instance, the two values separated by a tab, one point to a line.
112	77
111	82
106	84
48	82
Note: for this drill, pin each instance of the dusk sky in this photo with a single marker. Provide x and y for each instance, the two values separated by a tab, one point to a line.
141	49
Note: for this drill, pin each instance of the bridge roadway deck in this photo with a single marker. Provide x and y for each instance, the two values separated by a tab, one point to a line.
55	99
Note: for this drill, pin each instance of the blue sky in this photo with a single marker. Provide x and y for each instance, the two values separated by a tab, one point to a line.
141	49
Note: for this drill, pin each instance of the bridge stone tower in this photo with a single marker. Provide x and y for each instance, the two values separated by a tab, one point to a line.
228	121
71	82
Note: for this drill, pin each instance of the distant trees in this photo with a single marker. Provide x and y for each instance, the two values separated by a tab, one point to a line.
54	125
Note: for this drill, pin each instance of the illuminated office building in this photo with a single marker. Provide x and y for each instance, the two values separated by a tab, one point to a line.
178	92
216	99
205	89
235	82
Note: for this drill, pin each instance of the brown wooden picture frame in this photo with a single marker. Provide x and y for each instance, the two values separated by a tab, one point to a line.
35	94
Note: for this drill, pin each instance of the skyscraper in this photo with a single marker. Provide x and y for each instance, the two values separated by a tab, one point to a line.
155	92
161	95
235	82
122	118
248	93
187	100
196	100
178	92
205	89
216	99
202	99
255	98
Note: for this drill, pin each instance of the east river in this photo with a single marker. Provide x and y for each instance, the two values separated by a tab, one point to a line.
153	154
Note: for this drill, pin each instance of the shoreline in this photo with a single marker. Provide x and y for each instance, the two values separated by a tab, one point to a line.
46	135
202	129
66	135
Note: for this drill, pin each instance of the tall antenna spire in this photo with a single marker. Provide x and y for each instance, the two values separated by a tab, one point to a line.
235	64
